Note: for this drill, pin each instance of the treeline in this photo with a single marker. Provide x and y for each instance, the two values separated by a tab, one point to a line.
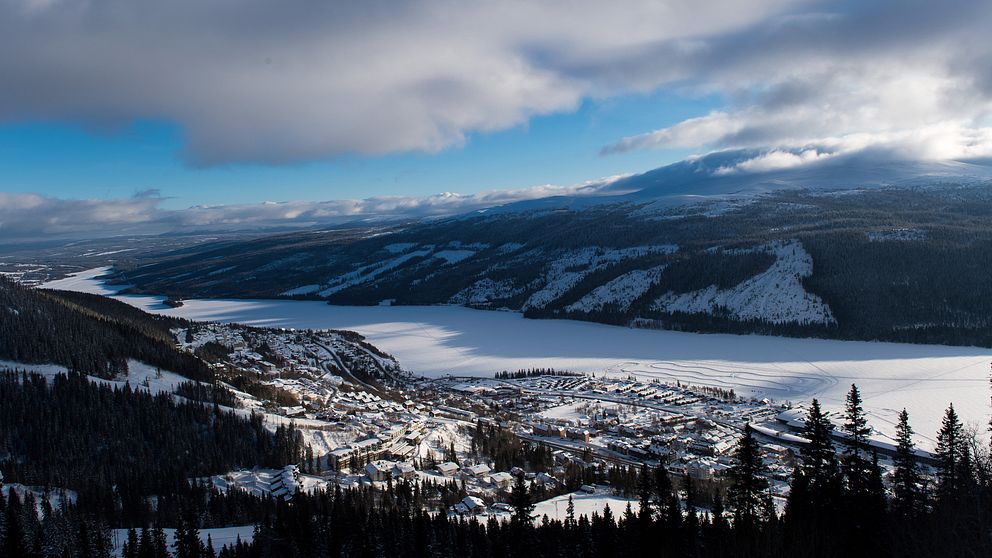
86	333
534	373
207	393
116	447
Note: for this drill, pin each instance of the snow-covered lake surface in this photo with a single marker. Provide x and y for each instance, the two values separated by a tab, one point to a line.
439	340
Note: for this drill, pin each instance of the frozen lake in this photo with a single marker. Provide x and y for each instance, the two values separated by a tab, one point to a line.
440	340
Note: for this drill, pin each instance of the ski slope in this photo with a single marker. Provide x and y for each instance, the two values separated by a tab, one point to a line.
776	295
446	340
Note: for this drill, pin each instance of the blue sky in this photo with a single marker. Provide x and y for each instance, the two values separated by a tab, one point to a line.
68	161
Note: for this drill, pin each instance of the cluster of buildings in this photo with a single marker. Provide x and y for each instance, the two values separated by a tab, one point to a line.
693	432
399	441
583	419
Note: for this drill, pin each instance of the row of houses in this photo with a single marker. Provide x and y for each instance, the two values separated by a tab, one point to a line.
455	413
382	470
556	431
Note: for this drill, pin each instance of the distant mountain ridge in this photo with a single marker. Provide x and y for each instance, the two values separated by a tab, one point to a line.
740	172
902	256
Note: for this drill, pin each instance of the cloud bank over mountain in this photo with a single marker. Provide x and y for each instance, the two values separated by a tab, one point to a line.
33	216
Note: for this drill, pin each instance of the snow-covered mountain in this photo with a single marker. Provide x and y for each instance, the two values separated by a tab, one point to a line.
748	172
733	241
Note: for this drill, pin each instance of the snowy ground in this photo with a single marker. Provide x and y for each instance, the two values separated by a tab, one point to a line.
585	504
140	375
776	295
442	340
219	537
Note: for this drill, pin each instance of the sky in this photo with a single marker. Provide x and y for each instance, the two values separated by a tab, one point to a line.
130	113
65	159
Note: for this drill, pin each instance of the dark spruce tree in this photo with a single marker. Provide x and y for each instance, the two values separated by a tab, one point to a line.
749	483
865	494
951	455
907	483
856	442
814	506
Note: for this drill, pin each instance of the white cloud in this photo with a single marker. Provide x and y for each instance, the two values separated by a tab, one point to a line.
702	130
29	215
775	160
905	76
278	82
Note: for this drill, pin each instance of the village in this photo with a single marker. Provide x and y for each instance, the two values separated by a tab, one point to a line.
369	423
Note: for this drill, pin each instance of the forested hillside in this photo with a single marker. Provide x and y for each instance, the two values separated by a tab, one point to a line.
900	264
87	333
116	447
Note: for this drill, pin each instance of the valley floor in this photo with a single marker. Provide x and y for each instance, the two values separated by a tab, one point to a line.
437	341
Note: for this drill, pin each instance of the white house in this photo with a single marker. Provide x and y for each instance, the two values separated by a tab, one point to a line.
379	470
478	470
501	479
403	470
447	469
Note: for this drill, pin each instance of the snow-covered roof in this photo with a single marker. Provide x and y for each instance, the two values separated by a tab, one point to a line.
381	466
501	477
477	469
473	502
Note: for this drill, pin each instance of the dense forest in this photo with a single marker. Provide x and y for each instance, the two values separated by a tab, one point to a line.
897	264
87	333
117	446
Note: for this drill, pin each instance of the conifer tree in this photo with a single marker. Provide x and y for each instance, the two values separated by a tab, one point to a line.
14	538
663	491
748	481
645	492
906	483
523	507
691	519
131	545
856	425
813	508
950	454
819	458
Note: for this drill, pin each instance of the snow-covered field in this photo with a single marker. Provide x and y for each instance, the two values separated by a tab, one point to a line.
585	504
140	375
219	537
440	340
